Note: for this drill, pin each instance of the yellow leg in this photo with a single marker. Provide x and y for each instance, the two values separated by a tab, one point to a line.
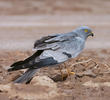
69	70
61	73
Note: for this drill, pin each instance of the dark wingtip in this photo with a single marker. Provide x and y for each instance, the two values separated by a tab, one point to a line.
9	70
17	63
12	69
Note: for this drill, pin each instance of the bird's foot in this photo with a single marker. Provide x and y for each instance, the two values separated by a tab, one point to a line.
72	73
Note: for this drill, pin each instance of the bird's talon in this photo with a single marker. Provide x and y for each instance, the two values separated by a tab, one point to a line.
72	73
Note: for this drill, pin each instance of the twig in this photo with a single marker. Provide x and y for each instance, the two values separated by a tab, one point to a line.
80	62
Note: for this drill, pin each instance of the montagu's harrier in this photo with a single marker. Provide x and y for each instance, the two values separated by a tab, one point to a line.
51	50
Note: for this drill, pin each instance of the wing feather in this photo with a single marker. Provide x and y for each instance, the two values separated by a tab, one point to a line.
41	42
48	42
52	41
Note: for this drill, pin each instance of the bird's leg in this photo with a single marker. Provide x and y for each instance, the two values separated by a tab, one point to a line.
69	70
61	73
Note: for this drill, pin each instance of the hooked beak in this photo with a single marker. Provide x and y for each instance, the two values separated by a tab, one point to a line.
91	34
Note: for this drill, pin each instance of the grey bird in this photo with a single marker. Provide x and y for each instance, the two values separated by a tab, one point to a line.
52	50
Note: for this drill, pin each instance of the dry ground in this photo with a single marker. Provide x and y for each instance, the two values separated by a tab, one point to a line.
91	82
22	22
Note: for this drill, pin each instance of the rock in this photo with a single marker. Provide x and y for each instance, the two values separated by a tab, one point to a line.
43	81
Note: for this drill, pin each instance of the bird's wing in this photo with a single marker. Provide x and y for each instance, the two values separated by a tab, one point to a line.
50	42
41	44
68	49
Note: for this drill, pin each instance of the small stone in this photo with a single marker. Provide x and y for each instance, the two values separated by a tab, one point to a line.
43	81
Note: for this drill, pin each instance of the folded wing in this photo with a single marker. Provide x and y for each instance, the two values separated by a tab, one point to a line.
50	42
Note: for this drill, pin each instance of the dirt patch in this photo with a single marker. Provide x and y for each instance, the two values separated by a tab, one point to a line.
90	82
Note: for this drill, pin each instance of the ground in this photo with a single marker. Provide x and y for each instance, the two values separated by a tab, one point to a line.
21	23
91	82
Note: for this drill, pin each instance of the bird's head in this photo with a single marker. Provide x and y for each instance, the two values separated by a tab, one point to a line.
84	31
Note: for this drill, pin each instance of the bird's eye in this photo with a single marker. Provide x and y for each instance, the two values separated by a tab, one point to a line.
85	30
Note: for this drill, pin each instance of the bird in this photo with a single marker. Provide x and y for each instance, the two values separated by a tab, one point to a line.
51	50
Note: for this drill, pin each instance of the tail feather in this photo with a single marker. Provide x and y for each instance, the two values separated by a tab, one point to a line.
27	63
18	65
27	76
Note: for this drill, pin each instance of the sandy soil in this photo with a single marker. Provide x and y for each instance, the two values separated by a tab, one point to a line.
91	82
21	23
